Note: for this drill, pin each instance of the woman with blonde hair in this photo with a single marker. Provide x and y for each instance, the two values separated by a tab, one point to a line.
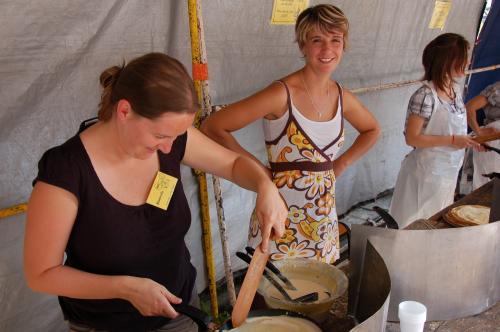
303	116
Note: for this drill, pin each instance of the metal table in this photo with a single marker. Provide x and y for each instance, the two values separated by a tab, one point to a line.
455	272
480	196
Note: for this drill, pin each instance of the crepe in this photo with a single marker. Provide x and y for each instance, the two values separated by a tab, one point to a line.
468	215
276	324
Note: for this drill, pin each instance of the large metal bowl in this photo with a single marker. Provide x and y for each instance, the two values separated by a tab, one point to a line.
329	276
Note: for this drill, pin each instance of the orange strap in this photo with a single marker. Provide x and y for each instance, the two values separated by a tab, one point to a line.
200	71
342	229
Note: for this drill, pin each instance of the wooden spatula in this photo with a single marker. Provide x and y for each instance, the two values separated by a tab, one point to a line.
249	287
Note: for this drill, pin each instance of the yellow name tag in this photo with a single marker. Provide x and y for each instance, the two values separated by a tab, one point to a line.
162	190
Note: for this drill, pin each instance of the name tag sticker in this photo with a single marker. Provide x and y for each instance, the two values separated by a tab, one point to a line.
161	190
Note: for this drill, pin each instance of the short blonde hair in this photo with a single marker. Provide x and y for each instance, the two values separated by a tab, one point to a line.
326	17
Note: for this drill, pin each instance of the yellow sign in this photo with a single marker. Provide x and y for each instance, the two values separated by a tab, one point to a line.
441	10
161	190
286	11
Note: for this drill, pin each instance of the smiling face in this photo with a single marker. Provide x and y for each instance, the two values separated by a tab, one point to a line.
143	137
323	50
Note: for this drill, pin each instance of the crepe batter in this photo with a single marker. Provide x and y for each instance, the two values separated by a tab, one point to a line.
303	287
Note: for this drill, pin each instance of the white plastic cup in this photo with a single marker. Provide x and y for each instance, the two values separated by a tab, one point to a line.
412	316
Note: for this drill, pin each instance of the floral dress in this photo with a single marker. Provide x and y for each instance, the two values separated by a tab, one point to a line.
303	173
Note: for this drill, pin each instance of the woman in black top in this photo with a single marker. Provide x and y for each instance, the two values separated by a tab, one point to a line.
109	199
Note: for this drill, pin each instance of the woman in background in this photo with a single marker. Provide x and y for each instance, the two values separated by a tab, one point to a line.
488	161
303	116
436	127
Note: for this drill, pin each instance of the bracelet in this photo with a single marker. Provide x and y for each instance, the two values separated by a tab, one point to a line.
452	139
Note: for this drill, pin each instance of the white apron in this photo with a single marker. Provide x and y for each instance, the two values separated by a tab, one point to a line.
486	162
428	176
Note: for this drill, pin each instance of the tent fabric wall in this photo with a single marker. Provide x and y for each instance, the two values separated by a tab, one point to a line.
52	52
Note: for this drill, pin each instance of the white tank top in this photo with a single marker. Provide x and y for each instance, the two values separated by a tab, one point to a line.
321	132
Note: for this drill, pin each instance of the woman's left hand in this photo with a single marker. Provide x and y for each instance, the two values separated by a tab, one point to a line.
271	212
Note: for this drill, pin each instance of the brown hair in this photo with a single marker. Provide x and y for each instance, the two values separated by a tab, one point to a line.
326	17
153	84
443	55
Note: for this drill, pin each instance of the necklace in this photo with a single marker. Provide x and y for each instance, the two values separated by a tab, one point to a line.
317	109
452	95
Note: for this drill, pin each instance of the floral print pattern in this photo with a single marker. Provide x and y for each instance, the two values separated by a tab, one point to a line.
297	139
288	237
254	226
325	204
294	250
286	178
315	183
309	192
296	215
329	236
313	156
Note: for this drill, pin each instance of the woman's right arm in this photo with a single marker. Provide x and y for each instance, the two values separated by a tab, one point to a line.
269	102
415	137
472	106
50	218
420	108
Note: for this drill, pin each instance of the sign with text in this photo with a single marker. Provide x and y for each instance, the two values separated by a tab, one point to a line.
440	14
286	11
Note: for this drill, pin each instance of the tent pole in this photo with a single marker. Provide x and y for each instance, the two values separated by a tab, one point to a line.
202	180
207	109
405	83
200	77
13	210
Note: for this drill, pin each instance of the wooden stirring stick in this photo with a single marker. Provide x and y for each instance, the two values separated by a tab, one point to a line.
249	287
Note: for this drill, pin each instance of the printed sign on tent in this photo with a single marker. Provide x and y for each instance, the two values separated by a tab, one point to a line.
440	13
286	11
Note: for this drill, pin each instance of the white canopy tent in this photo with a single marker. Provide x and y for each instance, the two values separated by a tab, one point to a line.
52	52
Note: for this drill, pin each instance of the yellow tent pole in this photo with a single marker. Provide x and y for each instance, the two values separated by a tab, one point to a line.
200	73
198	70
13	210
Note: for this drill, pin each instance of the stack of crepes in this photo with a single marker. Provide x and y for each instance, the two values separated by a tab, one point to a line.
468	215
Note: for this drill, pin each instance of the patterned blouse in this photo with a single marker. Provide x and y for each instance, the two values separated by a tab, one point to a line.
422	104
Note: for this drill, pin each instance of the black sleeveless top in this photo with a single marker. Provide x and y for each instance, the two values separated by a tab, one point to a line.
111	238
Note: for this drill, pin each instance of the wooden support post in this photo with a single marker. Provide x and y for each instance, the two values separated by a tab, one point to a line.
200	77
